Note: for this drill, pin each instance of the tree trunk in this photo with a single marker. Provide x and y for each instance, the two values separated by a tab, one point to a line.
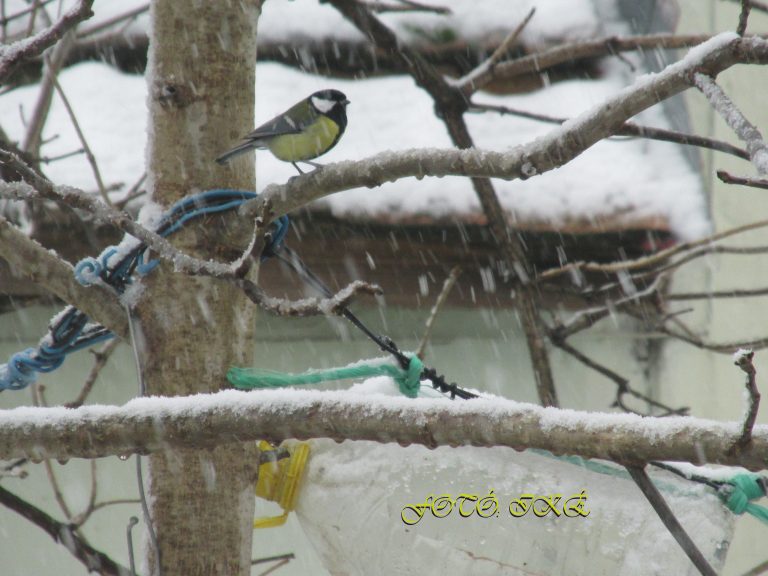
201	78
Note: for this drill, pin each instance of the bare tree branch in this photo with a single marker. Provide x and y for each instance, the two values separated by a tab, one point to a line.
736	293
150	424
447	287
741	28
43	267
467	83
552	150
622	384
126	16
743	359
4	20
629	129
762	7
670	521
93	559
699	247
744	129
88	153
405	6
37	186
52	63
306	306
540	62
753	182
101	357
761	568
719	347
12	55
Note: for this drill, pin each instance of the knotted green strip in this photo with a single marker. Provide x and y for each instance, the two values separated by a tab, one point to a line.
744	489
408	381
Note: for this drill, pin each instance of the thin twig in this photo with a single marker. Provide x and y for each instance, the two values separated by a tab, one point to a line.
101	357
628	129
653	259
82	518
50	159
666	515
741	28
307	306
761	568
720	348
94	560
622	384
743	359
743	128
108	23
447	287
133	192
753	182
467	82
762	7
38	399
88	152
540	62
11	56
289	556
736	293
406	6
279	564
33	139
115	502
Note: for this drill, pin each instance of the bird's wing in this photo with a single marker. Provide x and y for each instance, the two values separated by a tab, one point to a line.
292	121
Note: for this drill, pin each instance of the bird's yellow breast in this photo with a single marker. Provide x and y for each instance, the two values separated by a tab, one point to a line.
311	143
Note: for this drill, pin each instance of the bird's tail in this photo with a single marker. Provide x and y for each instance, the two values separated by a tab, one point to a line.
236	151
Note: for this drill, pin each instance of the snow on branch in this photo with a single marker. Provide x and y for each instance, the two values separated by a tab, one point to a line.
557	148
44	267
206	420
744	129
29	258
13	54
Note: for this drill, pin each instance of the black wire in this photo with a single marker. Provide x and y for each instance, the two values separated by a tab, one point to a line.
385	343
716	484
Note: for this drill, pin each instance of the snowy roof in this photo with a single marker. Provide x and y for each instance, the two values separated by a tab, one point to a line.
310	21
617	183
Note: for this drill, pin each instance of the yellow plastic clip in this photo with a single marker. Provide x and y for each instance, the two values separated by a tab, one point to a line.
280	480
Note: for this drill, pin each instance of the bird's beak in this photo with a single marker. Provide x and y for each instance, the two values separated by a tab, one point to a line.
345	102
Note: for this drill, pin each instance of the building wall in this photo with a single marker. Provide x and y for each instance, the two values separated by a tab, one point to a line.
709	382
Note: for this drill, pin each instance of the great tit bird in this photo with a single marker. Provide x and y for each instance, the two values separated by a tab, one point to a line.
306	130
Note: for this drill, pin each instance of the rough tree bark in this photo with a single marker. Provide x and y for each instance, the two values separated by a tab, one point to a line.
201	77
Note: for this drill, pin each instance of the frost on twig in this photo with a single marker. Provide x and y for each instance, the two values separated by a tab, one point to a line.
307	306
743	359
744	129
13	54
44	267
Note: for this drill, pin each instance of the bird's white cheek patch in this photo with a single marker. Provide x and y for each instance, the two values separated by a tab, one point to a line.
323	105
